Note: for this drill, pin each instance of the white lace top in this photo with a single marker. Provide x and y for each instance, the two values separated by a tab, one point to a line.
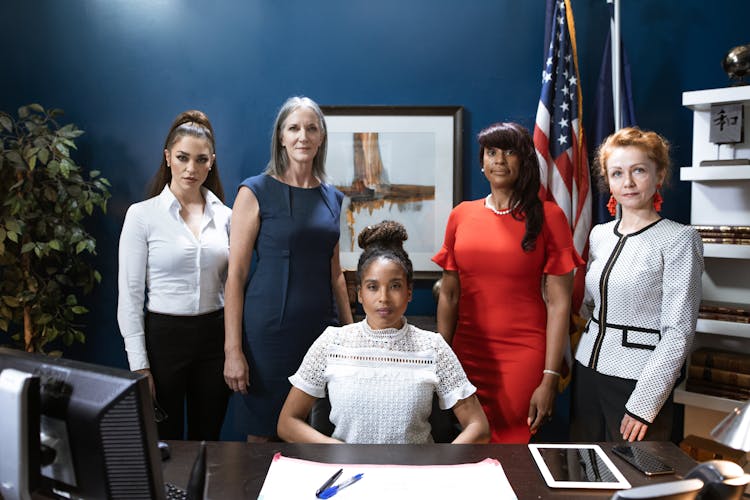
380	382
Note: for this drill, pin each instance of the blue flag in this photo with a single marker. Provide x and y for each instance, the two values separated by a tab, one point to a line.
604	117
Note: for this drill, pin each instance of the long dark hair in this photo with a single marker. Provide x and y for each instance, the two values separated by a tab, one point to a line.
386	240
525	197
196	124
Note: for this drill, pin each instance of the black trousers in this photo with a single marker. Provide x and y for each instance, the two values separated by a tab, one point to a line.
598	405
186	354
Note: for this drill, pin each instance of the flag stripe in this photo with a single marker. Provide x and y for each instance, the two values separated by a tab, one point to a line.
559	138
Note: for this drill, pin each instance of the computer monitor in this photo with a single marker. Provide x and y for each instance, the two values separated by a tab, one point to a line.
99	421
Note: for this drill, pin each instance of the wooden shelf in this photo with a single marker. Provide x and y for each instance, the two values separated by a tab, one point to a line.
727	328
701	100
731	173
704	400
725	251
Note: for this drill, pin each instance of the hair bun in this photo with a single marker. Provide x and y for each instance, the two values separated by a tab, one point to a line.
389	234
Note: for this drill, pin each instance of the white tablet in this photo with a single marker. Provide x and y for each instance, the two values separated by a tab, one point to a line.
577	466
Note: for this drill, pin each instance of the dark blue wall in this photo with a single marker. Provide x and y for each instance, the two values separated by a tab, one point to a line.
122	69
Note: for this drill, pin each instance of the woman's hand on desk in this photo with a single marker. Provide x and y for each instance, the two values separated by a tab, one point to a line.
632	429
236	372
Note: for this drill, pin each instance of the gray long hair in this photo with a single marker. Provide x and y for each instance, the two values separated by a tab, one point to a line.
279	161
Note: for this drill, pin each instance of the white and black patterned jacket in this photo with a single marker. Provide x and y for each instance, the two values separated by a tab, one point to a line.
646	288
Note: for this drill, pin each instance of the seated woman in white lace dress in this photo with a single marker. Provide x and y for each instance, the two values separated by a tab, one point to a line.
380	374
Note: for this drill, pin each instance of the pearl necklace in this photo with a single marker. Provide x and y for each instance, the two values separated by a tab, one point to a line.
505	211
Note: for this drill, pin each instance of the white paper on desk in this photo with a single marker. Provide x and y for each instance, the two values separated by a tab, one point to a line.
292	478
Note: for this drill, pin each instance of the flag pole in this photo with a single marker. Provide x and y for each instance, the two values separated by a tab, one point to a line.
616	65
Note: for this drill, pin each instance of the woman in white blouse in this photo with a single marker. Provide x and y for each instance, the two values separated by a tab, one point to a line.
644	286
173	257
381	373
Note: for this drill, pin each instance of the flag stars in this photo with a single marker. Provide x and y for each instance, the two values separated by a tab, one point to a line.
565	91
563	139
572	80
565	106
563	123
546	77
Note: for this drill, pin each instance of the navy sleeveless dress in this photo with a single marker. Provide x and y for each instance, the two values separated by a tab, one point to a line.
289	299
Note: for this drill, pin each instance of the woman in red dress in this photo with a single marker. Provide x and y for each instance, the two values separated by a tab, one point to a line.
504	305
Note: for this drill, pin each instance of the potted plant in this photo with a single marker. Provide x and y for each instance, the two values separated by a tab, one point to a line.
45	250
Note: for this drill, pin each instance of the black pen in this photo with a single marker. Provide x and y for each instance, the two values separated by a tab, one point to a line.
329	483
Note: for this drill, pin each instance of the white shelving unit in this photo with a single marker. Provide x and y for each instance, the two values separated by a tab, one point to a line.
720	196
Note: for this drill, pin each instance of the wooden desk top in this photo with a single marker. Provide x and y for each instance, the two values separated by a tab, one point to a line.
237	470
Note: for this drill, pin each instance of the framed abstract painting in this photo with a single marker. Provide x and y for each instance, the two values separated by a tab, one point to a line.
399	163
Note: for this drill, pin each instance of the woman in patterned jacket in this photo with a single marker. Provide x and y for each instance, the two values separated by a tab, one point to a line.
381	373
644	282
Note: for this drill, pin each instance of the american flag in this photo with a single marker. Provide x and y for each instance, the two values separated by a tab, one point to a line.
558	133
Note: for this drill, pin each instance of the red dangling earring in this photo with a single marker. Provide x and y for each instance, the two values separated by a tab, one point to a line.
658	200
612	205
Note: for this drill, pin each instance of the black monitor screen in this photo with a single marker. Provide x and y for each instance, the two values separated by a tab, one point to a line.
98	425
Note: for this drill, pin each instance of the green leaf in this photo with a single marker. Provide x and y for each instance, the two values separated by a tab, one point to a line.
23	112
55	245
94	174
3	324
28	247
79	310
14	158
50	194
81	246
2	234
97	276
43	155
80	336
44	319
62	149
13	236
11	301
6	122
12	225
37	107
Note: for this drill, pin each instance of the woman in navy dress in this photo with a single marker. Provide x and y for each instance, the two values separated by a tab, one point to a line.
290	217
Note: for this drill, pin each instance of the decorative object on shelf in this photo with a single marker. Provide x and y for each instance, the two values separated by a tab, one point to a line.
45	249
737	63
726	127
726	123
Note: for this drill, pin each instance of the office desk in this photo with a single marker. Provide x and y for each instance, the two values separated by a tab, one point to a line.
237	470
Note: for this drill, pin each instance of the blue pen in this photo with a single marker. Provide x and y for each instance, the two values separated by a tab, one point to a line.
329	492
328	483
